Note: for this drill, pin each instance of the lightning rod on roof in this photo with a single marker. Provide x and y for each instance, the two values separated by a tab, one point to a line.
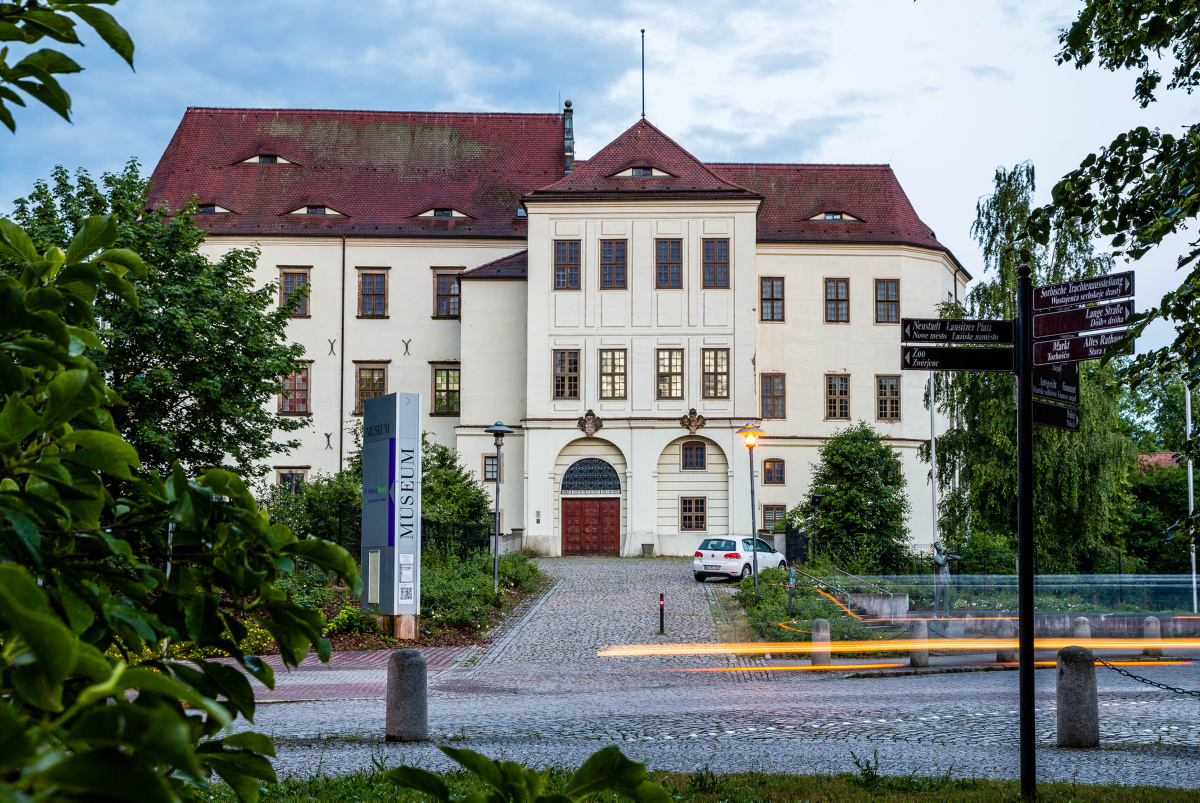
643	73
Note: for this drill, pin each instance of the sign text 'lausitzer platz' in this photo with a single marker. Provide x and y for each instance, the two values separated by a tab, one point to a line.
944	330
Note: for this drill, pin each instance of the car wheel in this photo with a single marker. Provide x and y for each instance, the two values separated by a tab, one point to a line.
783	564
747	571
700	578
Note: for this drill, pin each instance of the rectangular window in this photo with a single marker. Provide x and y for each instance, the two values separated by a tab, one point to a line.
491	468
772	472
694	456
771	298
716	373
716	263
612	264
670	373
837	396
372	294
772	514
447	295
889	398
669	263
372	382
566	374
292	479
693	513
295	393
612	373
837	301
445	391
773	398
294	282
887	301
566	265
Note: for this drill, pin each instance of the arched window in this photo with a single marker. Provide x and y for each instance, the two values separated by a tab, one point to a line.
591	475
772	472
693	456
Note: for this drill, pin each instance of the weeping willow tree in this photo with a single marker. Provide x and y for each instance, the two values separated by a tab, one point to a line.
1080	478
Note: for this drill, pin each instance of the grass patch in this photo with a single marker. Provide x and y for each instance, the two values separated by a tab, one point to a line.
705	786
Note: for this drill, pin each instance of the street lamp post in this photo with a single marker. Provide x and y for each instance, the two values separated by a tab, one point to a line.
751	433
499	430
816	501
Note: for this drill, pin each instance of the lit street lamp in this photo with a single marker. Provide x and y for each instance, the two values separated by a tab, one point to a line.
751	433
499	430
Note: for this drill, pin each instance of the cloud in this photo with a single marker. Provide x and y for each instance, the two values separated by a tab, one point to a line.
988	71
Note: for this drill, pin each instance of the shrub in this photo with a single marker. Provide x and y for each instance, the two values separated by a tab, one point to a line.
350	621
766	610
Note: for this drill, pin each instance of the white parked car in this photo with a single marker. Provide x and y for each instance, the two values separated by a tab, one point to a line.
733	557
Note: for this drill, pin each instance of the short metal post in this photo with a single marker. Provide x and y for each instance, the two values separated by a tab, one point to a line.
791	588
662	625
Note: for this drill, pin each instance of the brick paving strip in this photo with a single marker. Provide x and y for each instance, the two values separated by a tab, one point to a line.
540	694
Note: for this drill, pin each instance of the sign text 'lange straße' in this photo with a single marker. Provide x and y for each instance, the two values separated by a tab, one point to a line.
1083	319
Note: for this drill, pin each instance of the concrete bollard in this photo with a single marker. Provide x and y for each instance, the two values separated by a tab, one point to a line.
1006	655
1152	631
407	698
1083	628
820	642
918	631
1078	705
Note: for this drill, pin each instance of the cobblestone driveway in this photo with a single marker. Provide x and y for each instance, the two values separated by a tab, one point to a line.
541	695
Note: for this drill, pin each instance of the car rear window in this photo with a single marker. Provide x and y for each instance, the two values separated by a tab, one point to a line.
713	543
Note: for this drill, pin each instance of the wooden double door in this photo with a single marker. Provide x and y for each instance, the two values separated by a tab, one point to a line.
591	526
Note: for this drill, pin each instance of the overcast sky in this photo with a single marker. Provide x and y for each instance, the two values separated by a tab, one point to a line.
942	90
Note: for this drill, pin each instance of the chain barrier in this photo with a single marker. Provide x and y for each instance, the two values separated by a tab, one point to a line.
1147	681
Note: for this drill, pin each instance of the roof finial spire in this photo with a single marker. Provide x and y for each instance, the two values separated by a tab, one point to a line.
643	73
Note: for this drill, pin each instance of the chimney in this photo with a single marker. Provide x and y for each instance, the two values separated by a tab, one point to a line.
568	139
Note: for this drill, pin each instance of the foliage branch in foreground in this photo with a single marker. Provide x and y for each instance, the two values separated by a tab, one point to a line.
92	585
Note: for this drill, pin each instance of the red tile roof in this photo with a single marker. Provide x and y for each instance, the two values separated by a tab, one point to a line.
642	145
380	169
793	193
1157	460
513	266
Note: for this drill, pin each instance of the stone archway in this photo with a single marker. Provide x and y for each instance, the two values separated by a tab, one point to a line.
591	508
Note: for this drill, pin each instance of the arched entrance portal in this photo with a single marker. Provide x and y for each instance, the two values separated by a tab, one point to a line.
591	508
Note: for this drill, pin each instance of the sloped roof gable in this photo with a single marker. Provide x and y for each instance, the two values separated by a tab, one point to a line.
513	266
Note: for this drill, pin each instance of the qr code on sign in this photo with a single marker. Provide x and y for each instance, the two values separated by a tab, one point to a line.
406	593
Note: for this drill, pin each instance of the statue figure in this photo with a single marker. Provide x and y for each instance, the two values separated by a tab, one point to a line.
941	579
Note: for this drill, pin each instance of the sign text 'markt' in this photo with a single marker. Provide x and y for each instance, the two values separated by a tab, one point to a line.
1074	349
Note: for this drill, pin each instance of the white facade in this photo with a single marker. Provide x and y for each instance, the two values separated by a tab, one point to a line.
512	322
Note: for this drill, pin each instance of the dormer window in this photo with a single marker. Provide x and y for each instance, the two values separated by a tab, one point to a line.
833	216
642	172
444	213
267	159
211	209
317	210
521	212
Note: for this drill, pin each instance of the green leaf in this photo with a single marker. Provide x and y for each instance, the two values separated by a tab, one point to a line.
419	780
17	421
23	605
98	231
16	243
478	764
609	769
249	740
15	749
329	556
122	260
106	773
104	451
103	23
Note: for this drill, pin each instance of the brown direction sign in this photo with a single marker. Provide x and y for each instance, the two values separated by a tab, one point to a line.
1083	291
939	330
1083	319
1057	383
935	358
1051	415
1075	349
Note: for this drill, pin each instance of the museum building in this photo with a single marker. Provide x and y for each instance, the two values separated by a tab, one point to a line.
624	314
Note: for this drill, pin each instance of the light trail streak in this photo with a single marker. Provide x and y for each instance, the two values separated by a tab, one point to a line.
899	645
837	667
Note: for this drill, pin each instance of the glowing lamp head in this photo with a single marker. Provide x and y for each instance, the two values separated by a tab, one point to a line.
751	433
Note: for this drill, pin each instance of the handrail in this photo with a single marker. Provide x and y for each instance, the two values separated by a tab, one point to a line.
891	596
836	588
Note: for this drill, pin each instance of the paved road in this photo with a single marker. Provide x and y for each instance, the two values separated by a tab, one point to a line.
542	695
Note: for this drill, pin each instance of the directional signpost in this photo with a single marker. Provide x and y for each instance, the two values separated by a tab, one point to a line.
939	330
940	358
1049	369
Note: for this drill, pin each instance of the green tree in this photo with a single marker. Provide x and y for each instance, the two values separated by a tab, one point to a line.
449	490
202	356
1079	478
1158	502
860	524
1154	410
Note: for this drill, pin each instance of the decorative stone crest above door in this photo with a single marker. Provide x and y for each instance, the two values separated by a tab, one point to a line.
591	423
692	422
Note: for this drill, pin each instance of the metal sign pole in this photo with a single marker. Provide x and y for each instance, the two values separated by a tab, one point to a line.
1187	406
933	455
1024	365
753	518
